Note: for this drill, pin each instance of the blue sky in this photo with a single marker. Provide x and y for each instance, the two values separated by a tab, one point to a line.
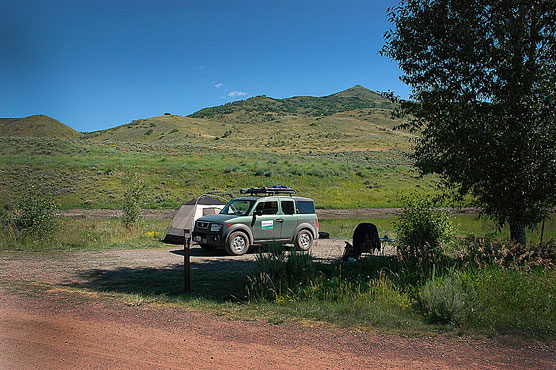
97	64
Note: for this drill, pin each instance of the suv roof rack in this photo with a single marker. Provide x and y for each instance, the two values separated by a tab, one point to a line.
276	189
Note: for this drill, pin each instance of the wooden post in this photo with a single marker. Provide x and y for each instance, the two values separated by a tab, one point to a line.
542	231
186	261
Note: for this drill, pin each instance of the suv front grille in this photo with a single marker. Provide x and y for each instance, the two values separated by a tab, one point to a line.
202	225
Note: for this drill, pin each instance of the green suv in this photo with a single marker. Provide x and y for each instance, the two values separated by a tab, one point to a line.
268	215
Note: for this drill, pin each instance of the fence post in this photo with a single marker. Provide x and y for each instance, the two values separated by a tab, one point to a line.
186	260
542	231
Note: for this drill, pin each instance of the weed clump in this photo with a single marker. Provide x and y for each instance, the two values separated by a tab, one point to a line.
133	197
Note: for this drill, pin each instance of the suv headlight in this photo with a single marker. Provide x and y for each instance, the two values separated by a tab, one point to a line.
215	227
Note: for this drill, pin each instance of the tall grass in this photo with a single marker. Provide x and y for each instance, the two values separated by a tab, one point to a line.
88	234
502	300
385	291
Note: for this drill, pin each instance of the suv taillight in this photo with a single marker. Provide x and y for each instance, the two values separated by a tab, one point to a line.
317	221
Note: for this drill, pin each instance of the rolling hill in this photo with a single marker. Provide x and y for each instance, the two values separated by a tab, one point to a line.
356	119
36	126
340	149
264	109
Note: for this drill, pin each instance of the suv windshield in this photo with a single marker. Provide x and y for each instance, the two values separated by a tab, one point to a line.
239	207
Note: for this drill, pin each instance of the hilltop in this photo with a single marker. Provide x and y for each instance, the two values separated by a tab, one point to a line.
356	119
264	109
36	126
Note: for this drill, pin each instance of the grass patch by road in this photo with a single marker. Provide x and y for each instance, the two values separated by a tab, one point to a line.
88	234
374	293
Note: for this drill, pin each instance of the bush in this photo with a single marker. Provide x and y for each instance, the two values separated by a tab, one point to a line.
442	300
133	197
32	214
481	252
422	229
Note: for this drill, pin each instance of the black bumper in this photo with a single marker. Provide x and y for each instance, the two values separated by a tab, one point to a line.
206	238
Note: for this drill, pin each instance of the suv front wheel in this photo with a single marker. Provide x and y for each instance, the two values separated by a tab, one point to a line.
238	244
303	240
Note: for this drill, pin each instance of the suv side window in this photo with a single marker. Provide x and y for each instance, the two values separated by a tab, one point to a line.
268	208
305	207
288	207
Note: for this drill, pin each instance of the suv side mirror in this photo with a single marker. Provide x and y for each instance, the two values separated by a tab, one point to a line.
257	212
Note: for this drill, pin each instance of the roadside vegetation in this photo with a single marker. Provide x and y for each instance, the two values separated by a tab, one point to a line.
473	284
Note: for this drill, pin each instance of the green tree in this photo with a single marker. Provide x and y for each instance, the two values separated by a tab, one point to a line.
483	99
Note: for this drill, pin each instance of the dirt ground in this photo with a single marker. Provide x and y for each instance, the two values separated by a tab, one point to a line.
63	267
54	330
63	330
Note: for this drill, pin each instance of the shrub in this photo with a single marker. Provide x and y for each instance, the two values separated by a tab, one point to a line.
481	252
442	300
132	200
148	132
422	229
33	213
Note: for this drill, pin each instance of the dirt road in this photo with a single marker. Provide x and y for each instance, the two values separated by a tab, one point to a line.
54	328
59	330
321	213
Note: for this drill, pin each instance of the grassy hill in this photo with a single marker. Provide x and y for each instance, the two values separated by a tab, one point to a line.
340	150
356	119
36	126
265	109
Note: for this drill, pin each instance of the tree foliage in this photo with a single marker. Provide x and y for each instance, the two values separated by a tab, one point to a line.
483	79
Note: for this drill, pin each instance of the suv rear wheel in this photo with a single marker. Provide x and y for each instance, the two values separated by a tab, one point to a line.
303	240
238	244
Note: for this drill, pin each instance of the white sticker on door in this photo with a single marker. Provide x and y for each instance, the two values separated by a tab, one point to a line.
267	225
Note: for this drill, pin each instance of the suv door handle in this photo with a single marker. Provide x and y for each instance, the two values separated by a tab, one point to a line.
279	220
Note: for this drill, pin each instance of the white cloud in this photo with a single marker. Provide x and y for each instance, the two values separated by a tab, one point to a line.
235	94
218	85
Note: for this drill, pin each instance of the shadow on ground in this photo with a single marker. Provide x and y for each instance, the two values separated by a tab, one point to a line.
217	280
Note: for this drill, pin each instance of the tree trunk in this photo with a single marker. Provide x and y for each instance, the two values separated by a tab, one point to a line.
517	232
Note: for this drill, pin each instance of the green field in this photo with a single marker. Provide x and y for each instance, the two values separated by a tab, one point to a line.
88	174
466	225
